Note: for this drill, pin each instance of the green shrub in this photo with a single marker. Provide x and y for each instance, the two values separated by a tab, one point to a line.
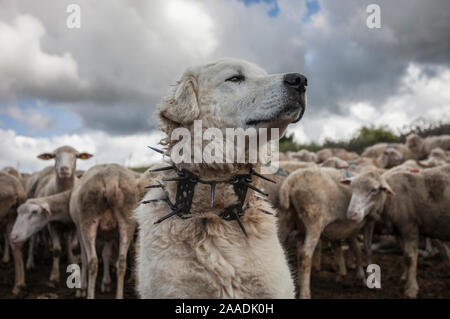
140	169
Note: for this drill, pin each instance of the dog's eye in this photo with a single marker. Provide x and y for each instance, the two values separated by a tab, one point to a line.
236	78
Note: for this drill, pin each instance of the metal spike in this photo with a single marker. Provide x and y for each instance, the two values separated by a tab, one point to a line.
174	179
255	189
154	186
162	169
264	211
240	224
265	200
151	201
259	209
157	150
167	216
213	188
260	197
262	176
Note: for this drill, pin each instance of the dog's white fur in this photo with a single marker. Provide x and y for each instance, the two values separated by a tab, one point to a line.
184	258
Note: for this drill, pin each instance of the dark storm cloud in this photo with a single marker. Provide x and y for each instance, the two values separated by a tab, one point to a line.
127	53
352	62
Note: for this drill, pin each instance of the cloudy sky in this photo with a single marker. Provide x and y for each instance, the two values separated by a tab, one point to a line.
96	87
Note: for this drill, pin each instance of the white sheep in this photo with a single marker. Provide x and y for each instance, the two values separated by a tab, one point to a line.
102	204
414	203
12	195
422	147
49	181
320	203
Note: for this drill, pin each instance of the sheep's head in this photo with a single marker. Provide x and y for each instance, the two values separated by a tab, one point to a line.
11	171
32	216
390	158
306	156
65	160
438	153
369	192
415	143
335	162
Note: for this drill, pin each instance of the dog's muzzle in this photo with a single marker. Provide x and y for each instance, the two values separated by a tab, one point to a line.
299	117
296	84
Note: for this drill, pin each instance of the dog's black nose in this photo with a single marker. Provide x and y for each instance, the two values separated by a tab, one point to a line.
296	80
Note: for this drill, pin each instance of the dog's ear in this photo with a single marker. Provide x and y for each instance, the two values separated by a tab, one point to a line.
182	106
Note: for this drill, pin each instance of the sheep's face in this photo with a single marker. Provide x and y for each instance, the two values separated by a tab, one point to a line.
432	162
32	216
65	160
335	162
368	195
438	153
390	158
414	143
306	156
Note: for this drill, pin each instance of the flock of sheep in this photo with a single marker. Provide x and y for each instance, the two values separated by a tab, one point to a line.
331	195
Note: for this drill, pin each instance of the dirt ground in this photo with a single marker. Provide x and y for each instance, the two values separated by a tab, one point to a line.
433	278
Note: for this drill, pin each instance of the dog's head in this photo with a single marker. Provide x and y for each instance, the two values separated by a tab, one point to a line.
233	93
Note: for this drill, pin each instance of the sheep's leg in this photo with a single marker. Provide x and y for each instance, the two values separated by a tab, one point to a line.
132	278
317	257
30	256
75	241
84	265
19	279
404	274
444	251
56	250
69	247
126	231
411	250
19	272
5	258
106	257
74	245
305	254
368	238
428	247
357	252
340	260
89	235
350	260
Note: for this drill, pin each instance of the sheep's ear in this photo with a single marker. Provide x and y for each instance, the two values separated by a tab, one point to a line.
346	181
182	107
424	163
46	156
46	209
84	156
343	165
386	188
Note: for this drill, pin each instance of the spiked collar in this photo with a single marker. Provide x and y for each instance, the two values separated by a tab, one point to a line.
187	181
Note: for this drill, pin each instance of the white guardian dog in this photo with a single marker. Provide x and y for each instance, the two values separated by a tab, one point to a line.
205	231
